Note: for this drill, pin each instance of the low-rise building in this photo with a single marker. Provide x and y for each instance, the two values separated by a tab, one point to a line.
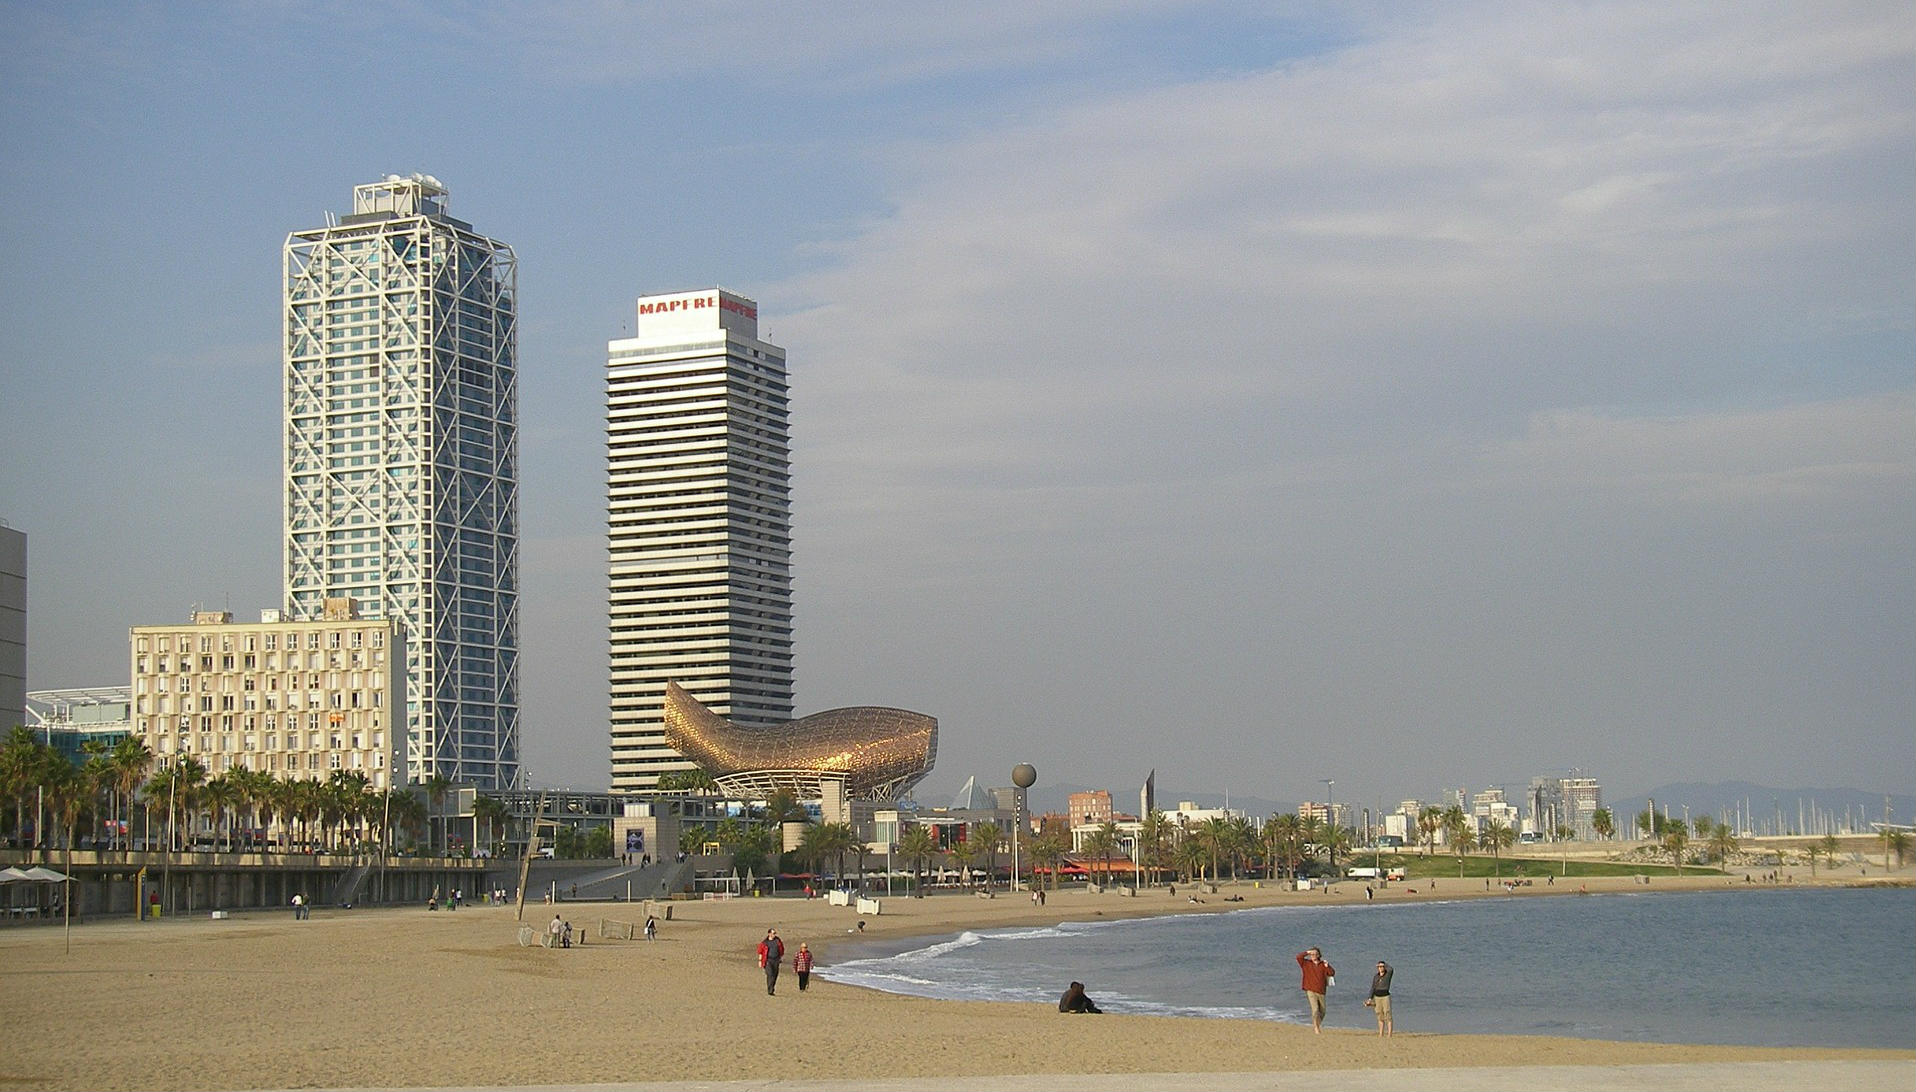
296	699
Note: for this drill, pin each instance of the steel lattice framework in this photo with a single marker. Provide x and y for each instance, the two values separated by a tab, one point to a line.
401	476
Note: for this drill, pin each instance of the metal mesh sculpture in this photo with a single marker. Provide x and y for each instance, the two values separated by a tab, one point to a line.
878	753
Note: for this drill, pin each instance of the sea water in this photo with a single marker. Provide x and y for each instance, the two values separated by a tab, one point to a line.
1825	967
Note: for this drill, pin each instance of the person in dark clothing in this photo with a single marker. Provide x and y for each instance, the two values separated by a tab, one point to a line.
1074	1000
771	951
1379	999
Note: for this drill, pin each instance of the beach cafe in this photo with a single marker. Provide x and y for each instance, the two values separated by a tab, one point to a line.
36	884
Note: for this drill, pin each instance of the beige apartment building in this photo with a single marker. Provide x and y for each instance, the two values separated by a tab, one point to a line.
295	699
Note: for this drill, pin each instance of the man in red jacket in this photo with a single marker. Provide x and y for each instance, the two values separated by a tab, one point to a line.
1318	976
771	951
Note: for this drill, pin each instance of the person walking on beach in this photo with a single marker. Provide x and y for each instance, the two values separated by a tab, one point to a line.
771	952
1379	999
1318	976
651	927
802	964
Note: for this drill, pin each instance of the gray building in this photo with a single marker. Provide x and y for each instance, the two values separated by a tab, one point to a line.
13	627
401	463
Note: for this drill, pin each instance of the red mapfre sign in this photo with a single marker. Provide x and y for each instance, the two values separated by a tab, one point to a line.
696	303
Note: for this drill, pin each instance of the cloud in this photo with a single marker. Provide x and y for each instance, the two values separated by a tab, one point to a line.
1525	367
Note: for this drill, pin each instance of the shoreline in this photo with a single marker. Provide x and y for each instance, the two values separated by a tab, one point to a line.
399	997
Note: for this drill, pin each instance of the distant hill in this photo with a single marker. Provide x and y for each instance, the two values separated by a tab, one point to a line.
1771	810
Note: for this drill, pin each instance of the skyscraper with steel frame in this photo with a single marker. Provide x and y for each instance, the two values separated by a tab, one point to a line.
401	477
698	506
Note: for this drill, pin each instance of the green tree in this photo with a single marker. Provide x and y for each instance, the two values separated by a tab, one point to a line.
962	854
220	796
1676	837
598	843
1102	843
919	845
1049	849
493	814
988	836
438	786
1496	837
1154	837
1830	848
1603	823
1895	840
1722	838
822	841
1457	831
1430	820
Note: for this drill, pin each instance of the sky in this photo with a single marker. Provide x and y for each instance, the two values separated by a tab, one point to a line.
1412	396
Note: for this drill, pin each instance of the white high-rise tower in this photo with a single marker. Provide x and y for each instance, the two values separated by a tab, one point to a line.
699	516
402	439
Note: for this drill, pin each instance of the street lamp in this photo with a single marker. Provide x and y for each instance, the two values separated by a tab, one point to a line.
1330	815
1023	776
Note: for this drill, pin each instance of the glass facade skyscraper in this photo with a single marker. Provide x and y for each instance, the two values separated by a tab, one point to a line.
698	505
401	477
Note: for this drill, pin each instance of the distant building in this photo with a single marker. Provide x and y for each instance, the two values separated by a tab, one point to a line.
294	699
1089	809
1488	806
1557	801
1330	814
13	627
68	720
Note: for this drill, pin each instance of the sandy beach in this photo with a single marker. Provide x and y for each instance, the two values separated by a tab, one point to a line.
406	998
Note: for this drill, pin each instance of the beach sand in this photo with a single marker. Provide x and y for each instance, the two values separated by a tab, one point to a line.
406	998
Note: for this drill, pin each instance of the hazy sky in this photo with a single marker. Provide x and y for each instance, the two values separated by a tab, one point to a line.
1413	395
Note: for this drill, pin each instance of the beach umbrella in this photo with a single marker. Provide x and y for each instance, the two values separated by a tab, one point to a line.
10	874
45	875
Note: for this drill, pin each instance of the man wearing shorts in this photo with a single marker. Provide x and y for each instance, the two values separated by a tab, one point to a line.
1317	979
1379	999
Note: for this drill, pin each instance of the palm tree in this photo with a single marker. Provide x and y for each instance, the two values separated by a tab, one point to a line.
131	759
437	786
1154	835
493	812
1190	856
1457	833
1103	842
1285	835
1429	822
1676	837
404	809
963	855
1214	834
1722	842
19	773
1049	849
189	781
822	840
1830	847
988	838
919	845
220	796
1603	823
1496	837
1897	840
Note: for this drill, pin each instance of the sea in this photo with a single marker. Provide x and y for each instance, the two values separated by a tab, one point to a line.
1768	967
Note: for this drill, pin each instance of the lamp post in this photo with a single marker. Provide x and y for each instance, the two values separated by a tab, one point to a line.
1023	776
1330	824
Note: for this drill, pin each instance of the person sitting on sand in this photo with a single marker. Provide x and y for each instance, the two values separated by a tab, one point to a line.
1074	1000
